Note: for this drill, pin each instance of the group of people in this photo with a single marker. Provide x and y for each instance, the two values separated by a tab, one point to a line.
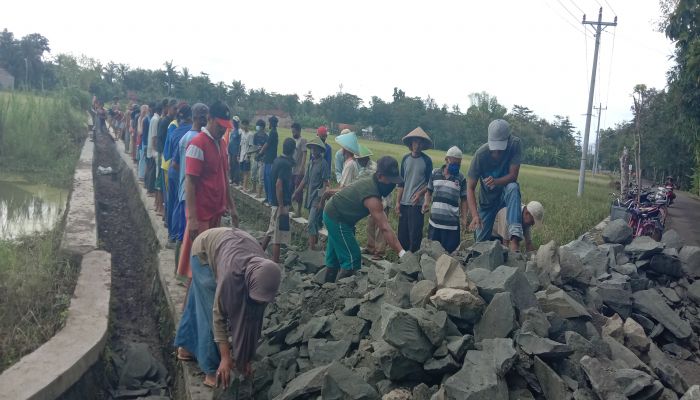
189	158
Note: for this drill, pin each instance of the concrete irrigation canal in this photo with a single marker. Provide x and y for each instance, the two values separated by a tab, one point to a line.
613	319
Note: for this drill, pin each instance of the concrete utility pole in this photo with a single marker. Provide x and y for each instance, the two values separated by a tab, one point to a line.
597	139
599	26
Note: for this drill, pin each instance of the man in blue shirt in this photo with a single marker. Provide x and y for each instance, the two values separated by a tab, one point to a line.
234	149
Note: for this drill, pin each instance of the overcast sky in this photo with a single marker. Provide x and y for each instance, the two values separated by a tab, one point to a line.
531	53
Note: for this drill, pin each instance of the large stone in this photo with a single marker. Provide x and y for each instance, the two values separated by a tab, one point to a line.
694	292
547	266
432	248
533	320
553	387
534	345
616	296
450	274
672	239
508	279
617	231
636	384
613	328
313	260
664	369
402	330
421	292
690	257
408	265
398	292
621	353
394	364
557	301
635	338
322	351
459	304
498	320
643	248
650	302
665	264
487	255
580	261
441	366
482	374
458	346
433	323
305	385
601	374
340	383
349	328
692	394
427	267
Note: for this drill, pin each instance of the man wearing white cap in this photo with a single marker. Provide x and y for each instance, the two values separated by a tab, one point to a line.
447	191
496	166
532	213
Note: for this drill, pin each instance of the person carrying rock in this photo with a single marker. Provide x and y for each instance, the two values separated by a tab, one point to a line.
496	165
232	283
416	168
532	215
446	199
316	181
347	207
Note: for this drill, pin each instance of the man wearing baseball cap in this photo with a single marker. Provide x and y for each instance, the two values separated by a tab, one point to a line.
347	207
207	194
322	133
495	167
532	214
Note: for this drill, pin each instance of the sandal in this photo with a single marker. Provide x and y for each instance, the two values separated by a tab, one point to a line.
182	357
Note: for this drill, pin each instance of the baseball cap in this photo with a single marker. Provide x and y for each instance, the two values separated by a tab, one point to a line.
454	152
499	132
389	168
535	208
322	130
221	113
200	110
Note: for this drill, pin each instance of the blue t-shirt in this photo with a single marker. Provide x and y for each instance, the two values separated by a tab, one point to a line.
184	142
172	150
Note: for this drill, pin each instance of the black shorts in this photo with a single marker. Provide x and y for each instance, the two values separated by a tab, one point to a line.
245	165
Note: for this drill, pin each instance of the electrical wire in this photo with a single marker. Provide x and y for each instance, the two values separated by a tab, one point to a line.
576	5
568	11
610	7
612	53
576	27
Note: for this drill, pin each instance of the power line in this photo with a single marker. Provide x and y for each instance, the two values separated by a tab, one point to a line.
577	28
567	10
610	7
576	5
612	53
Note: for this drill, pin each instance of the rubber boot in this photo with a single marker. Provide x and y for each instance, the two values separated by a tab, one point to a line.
331	274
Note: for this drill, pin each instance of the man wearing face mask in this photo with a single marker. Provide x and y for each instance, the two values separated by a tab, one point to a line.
496	166
207	193
447	191
347	207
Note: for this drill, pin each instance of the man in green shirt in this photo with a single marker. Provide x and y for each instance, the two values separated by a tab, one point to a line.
347	207
496	166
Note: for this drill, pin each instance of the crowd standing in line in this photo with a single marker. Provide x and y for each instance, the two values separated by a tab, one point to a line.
189	158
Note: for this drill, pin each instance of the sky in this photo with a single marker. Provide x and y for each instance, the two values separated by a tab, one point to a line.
529	53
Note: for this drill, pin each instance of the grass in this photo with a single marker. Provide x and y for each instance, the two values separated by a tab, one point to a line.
40	140
35	288
40	137
566	215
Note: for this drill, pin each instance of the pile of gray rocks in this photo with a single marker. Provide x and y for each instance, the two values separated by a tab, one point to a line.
580	321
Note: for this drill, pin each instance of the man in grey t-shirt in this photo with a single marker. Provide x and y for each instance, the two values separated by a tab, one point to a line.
416	168
496	166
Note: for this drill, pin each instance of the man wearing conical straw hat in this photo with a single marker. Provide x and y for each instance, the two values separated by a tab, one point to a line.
349	148
416	168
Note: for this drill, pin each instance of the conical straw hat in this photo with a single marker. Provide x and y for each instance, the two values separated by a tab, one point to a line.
364	152
418	133
315	142
348	141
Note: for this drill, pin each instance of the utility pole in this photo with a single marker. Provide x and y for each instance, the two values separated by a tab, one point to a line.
599	26
597	139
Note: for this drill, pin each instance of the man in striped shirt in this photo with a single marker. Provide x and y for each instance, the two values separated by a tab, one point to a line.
447	191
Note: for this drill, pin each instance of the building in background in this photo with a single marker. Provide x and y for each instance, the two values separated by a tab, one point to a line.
7	81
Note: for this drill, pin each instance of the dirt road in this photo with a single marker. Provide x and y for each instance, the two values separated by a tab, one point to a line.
684	217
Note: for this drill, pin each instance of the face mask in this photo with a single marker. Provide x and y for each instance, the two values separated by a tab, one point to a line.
257	128
453	169
385	189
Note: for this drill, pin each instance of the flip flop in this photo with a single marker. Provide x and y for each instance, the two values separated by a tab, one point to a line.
209	385
182	357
